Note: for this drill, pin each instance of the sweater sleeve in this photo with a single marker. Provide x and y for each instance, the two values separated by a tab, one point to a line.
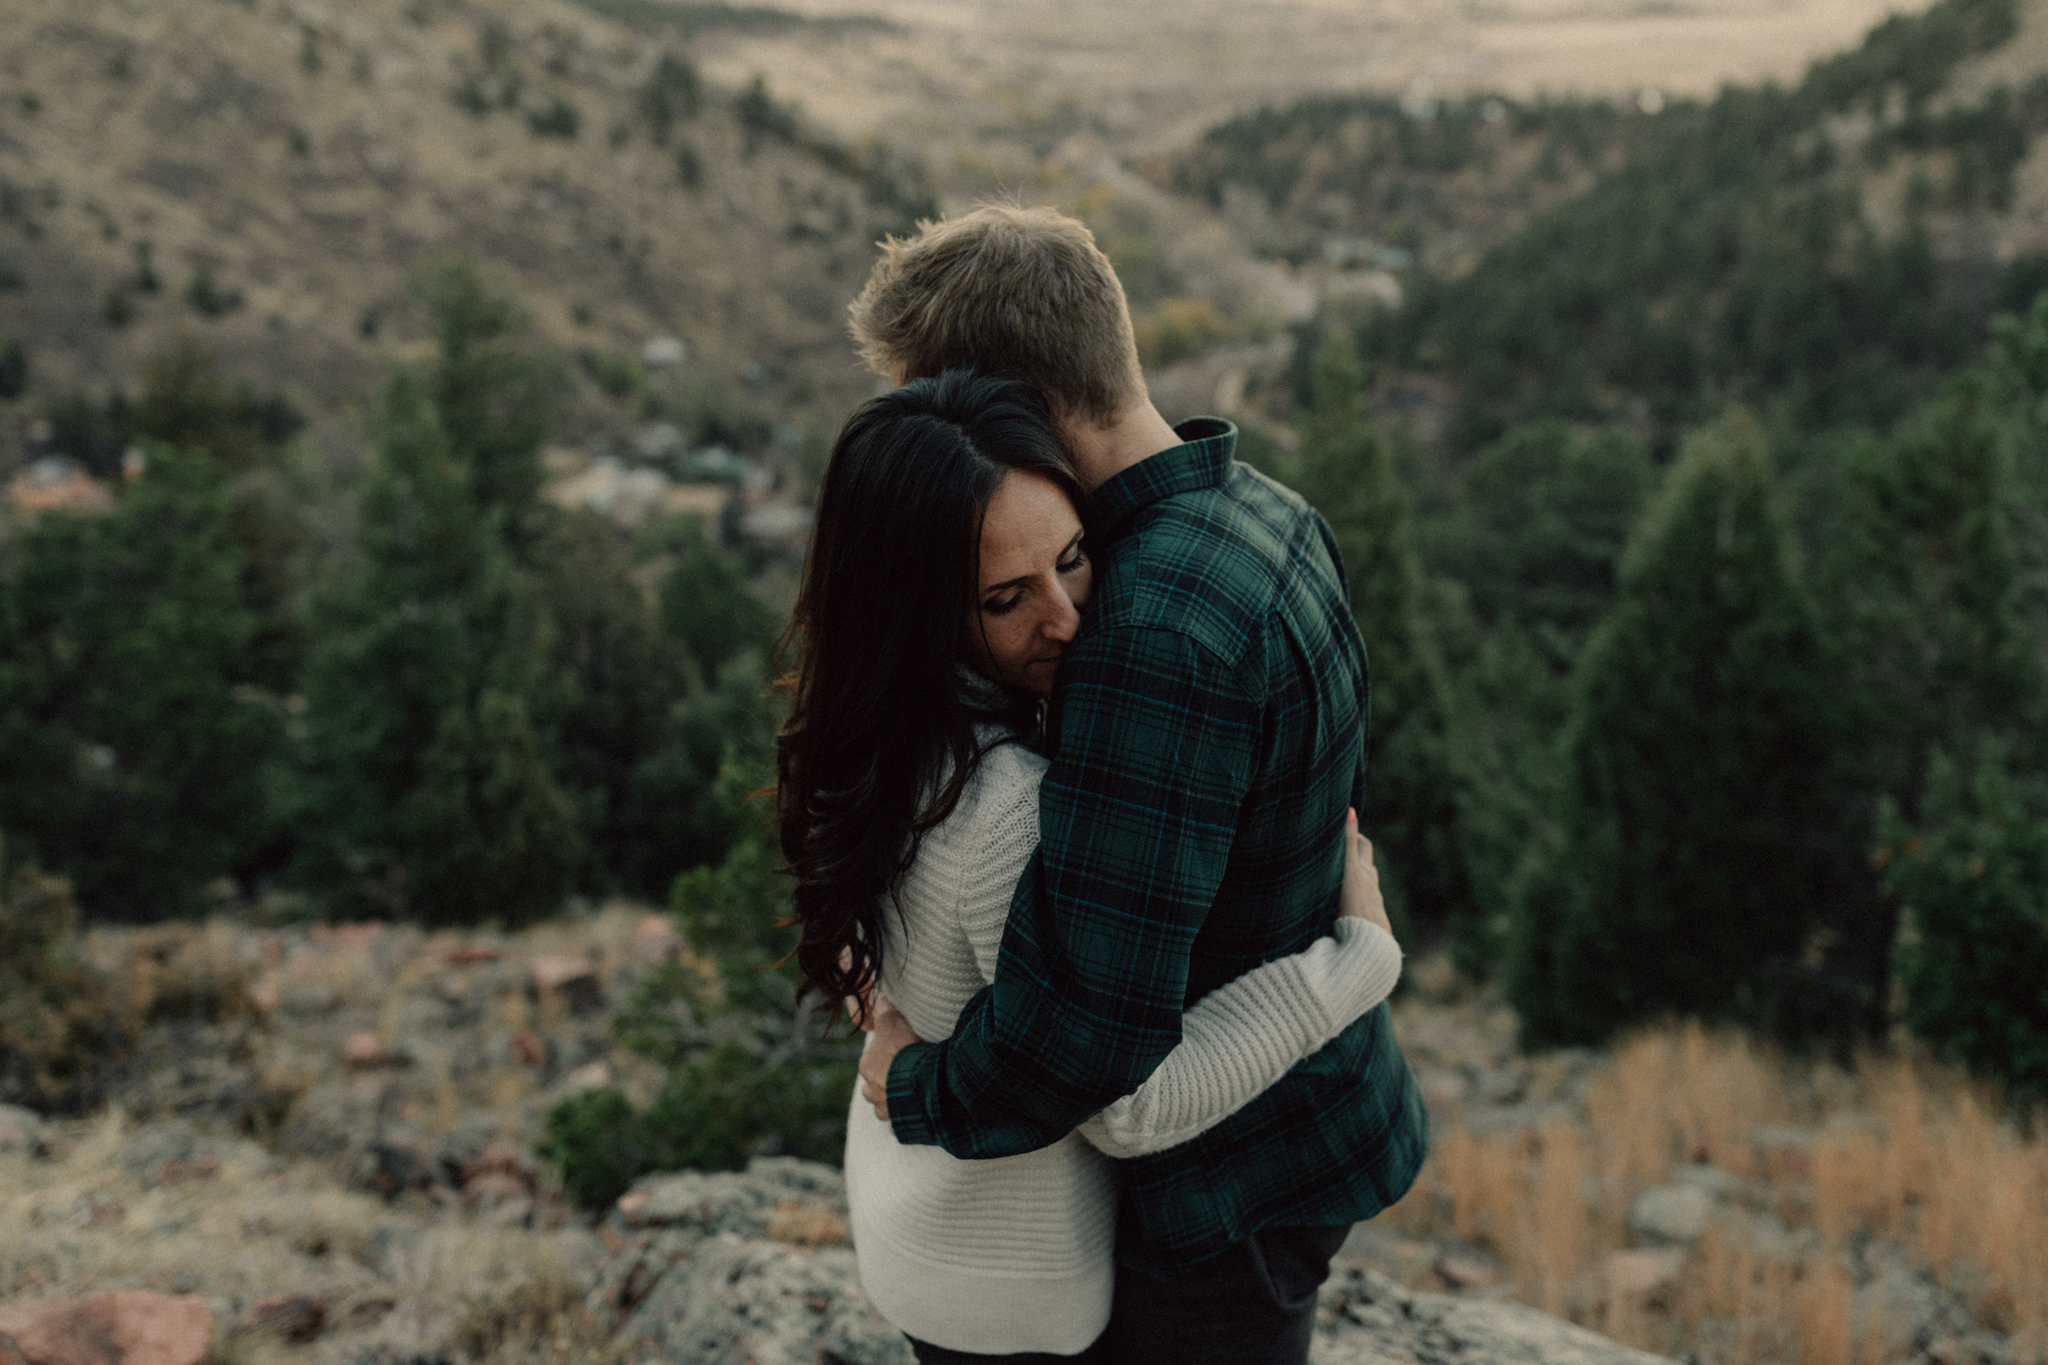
1245	1035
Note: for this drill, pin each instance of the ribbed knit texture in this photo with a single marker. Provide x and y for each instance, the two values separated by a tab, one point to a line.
1014	1254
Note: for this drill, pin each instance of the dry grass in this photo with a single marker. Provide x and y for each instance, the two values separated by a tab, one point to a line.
1894	1147
259	1225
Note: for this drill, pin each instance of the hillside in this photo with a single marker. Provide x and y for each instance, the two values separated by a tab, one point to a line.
270	177
1833	246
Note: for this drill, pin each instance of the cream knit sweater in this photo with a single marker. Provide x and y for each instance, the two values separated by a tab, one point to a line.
1014	1254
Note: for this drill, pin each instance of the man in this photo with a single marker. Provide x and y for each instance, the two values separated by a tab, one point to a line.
1210	733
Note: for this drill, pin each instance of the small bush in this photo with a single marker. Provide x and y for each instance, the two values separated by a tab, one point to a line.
145	279
13	369
116	308
540	1319
556	118
672	93
1179	329
1974	883
61	1022
747	1074
616	374
209	297
760	115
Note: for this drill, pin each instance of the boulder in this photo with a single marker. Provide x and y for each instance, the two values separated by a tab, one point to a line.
697	1276
655	940
365	1051
1364	1318
739	1300
1721	1183
23	1130
1671	1214
710	1202
124	1327
570	979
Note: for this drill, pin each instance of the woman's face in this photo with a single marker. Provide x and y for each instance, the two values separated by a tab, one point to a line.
1034	579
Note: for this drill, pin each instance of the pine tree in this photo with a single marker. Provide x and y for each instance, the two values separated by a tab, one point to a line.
497	401
1700	829
1927	591
1347	472
133	756
1973	877
491	836
604	698
432	618
1538	525
1542	517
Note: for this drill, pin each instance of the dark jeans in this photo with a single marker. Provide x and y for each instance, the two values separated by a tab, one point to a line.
928	1354
1253	1305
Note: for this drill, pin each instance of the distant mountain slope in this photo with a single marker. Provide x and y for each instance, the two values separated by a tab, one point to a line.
269	175
1825	251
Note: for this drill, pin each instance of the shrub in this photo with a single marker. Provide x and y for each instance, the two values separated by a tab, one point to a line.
556	118
1178	329
59	1025
616	374
673	92
116	308
1973	880
746	1072
13	369
760	115
209	297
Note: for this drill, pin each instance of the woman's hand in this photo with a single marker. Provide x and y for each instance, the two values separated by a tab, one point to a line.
1361	895
888	1034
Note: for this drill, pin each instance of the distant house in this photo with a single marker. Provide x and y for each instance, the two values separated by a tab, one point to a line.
54	483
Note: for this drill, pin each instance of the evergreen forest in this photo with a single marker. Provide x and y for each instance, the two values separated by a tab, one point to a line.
1707	617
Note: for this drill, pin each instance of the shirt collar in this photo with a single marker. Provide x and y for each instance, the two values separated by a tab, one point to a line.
1208	444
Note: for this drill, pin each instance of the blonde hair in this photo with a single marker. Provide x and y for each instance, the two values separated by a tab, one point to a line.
1023	293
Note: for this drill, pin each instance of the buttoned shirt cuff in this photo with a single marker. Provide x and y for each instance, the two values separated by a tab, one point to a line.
909	1078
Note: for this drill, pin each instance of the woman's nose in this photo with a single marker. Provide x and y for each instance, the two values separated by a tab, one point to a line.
1064	622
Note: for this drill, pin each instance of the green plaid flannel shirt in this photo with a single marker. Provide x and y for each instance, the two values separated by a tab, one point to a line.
1210	727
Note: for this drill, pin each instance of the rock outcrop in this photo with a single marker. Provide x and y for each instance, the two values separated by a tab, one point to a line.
1367	1319
124	1327
725	1268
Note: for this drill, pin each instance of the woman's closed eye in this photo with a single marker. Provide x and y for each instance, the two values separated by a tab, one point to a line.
1002	606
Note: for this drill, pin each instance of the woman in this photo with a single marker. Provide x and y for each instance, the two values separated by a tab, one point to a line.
943	585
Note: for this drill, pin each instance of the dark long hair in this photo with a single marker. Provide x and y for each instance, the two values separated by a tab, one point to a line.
881	739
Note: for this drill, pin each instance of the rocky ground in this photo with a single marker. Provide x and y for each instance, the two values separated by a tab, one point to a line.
342	1169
